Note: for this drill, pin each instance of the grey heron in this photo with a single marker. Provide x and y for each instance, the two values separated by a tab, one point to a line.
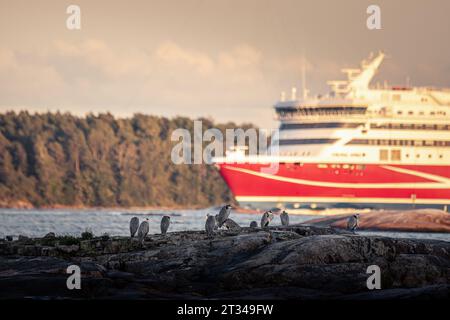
210	225
284	216
165	222
224	214
134	225
352	222
216	219
266	218
143	230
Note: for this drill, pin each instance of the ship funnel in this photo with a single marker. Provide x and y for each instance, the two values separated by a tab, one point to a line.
362	80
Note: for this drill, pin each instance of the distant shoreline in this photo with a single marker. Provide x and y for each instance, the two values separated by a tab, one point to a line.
80	207
24	204
19	205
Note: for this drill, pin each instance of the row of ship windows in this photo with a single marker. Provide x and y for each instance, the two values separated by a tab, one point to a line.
320	111
396	155
326	166
289	142
350	111
304	153
422	113
293	126
377	142
411	126
390	142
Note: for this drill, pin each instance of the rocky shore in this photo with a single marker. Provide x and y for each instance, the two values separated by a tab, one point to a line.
295	262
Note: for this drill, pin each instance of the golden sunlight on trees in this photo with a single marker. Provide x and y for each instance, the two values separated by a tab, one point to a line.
59	159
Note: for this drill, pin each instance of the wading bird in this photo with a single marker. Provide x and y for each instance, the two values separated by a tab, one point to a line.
352	223
165	222
143	230
224	214
134	225
216	219
210	225
266	218
284	216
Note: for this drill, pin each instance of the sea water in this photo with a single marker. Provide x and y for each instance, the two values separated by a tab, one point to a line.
115	222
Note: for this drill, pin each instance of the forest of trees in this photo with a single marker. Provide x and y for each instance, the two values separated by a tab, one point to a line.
59	159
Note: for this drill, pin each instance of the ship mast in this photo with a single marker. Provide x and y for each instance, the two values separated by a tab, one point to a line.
304	90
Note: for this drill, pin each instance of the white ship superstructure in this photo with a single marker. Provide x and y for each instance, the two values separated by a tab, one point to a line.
356	122
358	145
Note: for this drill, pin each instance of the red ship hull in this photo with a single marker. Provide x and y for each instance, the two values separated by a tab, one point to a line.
332	185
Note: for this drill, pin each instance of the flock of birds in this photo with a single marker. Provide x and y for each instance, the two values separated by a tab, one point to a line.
222	221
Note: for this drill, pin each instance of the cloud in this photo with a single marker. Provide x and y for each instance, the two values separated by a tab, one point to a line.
169	79
98	57
173	56
23	82
242	56
92	76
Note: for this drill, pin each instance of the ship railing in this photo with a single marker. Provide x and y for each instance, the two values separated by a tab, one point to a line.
323	117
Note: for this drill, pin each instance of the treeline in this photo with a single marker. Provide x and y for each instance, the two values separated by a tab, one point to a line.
60	159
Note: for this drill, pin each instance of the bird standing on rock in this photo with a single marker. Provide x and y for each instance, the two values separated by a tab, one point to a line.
224	214
266	218
284	216
253	224
165	222
134	225
210	225
353	222
143	230
216	219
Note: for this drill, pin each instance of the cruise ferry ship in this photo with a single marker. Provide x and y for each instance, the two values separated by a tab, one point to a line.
357	147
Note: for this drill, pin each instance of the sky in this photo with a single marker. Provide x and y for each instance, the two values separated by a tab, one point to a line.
224	59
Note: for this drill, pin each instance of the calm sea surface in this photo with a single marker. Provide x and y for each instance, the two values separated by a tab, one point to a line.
36	223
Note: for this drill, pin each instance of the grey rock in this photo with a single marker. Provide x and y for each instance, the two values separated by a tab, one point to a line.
23	238
68	249
231	225
50	235
288	262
